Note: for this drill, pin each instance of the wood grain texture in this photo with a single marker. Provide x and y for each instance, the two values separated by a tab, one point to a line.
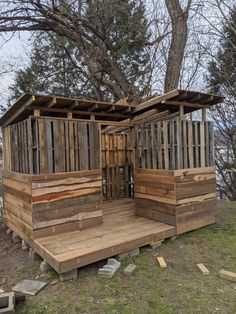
184	198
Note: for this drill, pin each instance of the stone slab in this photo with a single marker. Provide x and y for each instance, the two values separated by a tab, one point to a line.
30	287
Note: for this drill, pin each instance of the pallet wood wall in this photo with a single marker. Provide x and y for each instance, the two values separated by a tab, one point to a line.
40	205
174	145
118	182
117	165
39	145
183	198
117	149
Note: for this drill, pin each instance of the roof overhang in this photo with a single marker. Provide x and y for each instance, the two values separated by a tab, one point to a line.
164	107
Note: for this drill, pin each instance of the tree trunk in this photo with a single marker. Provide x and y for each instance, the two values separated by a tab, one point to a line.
179	19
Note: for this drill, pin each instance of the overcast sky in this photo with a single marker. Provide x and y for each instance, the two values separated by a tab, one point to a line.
14	53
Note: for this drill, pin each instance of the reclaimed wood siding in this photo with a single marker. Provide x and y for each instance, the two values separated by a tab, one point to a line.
64	202
17	203
195	198
39	145
155	195
183	198
174	144
38	205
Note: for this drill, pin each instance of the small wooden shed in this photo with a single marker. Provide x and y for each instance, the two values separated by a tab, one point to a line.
84	180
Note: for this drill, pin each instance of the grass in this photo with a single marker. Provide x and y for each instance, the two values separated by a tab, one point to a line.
180	288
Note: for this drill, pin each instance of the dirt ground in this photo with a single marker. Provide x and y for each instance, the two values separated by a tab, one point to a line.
180	288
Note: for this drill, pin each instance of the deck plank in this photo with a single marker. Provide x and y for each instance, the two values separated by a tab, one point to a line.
121	231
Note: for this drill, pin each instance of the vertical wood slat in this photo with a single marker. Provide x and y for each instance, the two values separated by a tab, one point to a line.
184	137
190	144
153	146
196	141
211	144
67	147
202	143
159	145
71	142
30	145
166	145
83	146
172	144
207	157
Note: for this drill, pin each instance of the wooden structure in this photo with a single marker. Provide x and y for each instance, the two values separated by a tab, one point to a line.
84	180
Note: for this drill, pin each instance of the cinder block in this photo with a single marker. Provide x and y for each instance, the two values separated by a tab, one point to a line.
114	263
7	302
9	231
15	238
110	268
129	254
123	256
70	275
24	245
33	255
134	252
155	245
44	267
129	269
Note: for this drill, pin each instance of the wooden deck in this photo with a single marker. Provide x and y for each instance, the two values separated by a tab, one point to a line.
121	231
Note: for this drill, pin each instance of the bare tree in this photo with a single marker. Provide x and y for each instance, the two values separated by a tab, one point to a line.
179	19
88	29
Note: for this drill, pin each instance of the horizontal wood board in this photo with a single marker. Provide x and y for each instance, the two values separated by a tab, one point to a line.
45	204
183	198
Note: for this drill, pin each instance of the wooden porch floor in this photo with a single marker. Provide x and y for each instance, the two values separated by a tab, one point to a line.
121	231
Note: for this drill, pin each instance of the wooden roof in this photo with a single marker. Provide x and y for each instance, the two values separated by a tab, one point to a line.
57	106
192	100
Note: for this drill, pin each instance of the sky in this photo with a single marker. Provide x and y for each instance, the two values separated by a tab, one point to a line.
14	51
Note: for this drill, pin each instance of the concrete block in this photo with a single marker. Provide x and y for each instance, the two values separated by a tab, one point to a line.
129	269
129	254
7	302
33	255
15	238
110	268
9	231
153	246
114	263
70	275
24	245
44	267
123	256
